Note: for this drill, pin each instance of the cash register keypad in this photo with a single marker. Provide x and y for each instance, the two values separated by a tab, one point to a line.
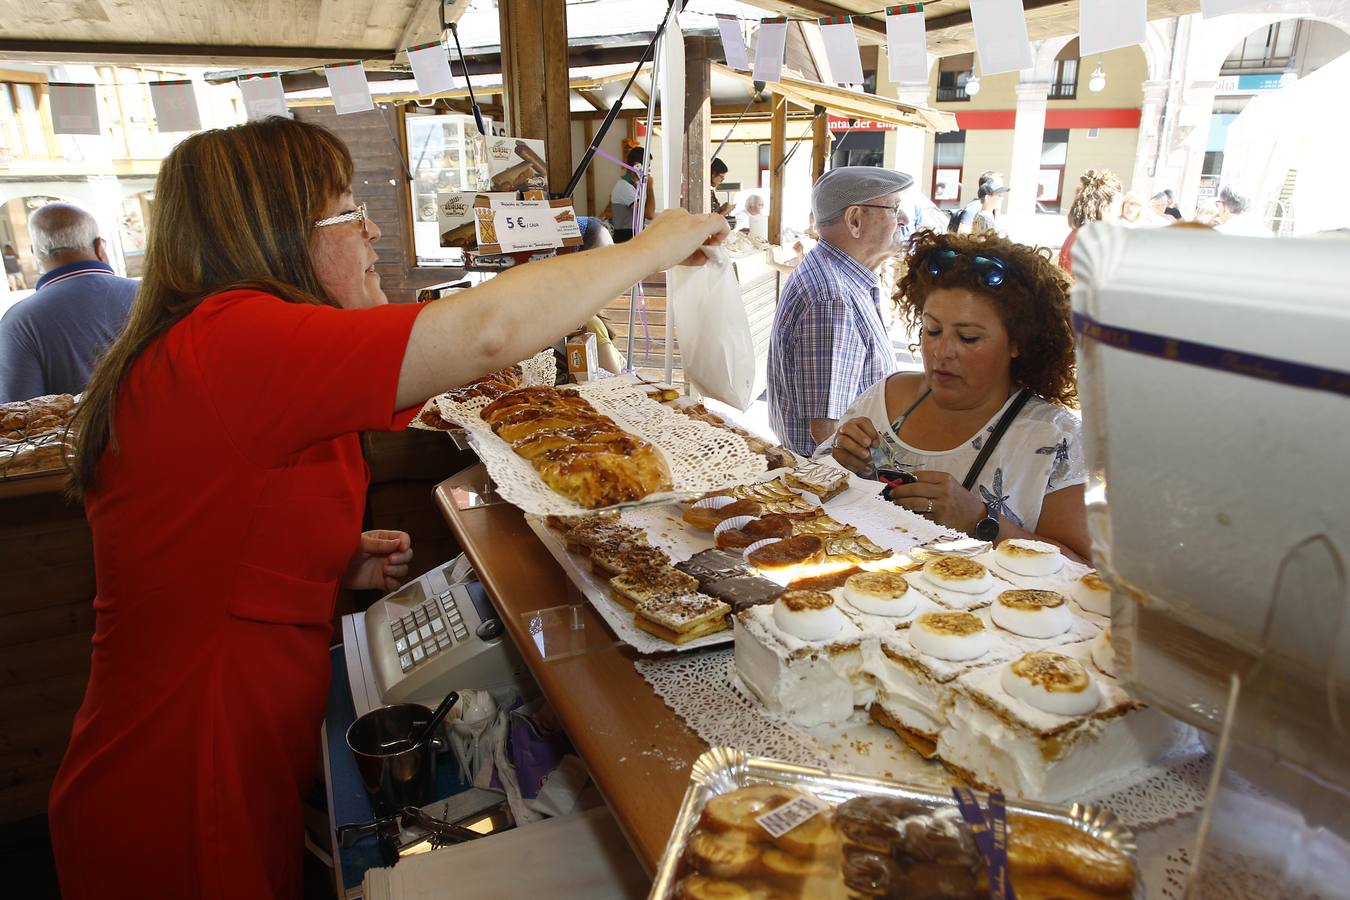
427	630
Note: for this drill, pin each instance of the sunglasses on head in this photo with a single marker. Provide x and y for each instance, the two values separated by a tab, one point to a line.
991	269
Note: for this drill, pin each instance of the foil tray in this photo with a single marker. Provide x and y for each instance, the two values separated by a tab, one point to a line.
724	769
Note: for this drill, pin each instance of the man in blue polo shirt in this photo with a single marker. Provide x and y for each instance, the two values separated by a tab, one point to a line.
829	343
50	341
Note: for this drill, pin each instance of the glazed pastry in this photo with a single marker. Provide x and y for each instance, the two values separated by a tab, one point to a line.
957	573
728	854
738	810
1044	846
798	550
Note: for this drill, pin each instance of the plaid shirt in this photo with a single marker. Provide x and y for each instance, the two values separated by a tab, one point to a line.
829	344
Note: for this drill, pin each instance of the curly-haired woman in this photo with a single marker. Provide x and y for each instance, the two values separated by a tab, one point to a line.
1099	198
997	342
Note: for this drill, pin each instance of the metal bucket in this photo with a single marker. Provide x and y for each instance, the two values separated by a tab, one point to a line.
395	773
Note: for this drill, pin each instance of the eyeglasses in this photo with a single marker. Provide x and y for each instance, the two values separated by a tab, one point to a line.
356	215
991	269
893	210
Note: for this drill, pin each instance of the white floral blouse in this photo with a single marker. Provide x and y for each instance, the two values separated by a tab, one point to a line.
1040	453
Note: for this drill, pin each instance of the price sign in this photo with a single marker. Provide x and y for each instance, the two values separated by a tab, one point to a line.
521	225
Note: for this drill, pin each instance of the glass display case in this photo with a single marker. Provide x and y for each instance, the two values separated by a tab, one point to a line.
443	155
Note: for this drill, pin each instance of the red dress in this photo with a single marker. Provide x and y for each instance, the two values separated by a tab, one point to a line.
221	527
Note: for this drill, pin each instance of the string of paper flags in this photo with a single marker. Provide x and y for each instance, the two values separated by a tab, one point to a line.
1000	37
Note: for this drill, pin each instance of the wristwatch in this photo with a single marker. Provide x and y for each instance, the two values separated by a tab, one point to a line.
986	529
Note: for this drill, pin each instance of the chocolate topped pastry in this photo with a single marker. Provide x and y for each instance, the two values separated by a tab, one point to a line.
940	838
709	566
870	874
744	591
933	881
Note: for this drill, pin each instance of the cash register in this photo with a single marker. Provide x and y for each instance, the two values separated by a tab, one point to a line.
435	634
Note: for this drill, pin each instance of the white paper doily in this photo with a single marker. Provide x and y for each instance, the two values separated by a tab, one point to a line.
701	689
539	369
701	457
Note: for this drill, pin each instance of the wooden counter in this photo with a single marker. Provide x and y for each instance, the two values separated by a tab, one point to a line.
637	749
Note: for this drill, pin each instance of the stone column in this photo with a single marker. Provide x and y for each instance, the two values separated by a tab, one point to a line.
1186	155
1148	168
1028	137
910	142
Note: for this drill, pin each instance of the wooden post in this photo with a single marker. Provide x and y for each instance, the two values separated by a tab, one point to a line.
777	139
536	102
697	124
821	139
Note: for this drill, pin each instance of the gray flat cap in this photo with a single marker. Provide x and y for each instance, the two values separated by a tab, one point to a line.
849	185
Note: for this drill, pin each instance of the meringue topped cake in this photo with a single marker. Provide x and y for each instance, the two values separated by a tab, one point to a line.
1046	726
800	656
1034	614
1092	594
1028	557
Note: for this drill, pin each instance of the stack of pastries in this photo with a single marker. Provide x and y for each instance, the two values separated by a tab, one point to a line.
576	450
886	847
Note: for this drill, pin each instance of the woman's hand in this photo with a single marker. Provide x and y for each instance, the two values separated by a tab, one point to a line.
381	563
673	237
853	444
939	497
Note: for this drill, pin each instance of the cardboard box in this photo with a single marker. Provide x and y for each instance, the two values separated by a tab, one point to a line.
515	164
454	215
582	356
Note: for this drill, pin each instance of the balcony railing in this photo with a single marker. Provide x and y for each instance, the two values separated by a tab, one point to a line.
950	94
1064	91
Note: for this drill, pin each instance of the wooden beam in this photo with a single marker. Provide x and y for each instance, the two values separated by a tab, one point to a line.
777	144
636	90
820	145
594	101
697	124
14	49
425	23
537	97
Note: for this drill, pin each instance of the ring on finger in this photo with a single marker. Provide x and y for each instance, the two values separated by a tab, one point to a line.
930	506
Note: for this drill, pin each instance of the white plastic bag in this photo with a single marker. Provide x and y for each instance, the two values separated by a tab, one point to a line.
712	329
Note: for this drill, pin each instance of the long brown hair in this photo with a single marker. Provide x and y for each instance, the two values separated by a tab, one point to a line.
234	207
1096	191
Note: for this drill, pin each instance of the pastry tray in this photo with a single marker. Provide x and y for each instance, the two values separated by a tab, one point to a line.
723	769
619	618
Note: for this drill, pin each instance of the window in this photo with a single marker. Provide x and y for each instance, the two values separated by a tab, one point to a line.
858	148
1065	85
1213	163
1050	183
442	157
1266	49
764	151
949	156
953	73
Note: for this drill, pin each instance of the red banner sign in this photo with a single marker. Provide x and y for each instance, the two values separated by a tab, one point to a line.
841	124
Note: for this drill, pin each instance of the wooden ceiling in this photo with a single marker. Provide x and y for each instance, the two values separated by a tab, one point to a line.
279	33
294	33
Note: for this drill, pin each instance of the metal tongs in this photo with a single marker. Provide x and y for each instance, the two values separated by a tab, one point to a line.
438	831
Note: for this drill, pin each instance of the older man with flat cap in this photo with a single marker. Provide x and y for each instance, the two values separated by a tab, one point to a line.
829	341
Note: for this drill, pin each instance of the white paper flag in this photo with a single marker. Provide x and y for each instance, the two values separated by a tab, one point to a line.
175	106
1211	8
733	42
431	68
74	108
347	83
1110	24
264	96
770	42
906	44
1001	36
841	50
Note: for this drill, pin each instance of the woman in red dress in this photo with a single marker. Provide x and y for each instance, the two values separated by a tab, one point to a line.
224	484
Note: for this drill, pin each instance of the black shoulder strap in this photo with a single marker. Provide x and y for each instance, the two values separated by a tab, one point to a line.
1004	421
